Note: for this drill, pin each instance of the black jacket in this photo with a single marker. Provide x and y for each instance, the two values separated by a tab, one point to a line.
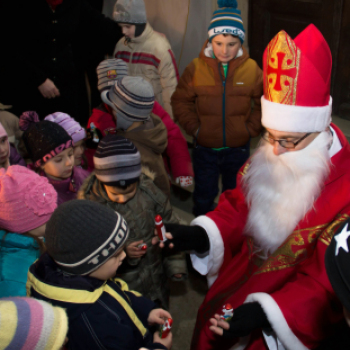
38	43
102	315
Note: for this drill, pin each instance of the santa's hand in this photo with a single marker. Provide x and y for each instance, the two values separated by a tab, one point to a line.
157	316
246	318
182	238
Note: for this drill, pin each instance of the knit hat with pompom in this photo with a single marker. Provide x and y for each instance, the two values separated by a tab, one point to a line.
43	139
27	323
227	20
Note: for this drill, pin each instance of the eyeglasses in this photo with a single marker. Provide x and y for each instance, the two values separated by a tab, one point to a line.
284	143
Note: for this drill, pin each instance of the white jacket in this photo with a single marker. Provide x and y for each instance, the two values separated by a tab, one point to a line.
150	56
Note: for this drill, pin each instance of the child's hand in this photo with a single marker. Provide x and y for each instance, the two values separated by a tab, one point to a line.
133	252
155	240
218	325
167	342
157	316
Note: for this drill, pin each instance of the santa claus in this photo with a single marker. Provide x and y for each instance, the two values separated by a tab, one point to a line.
263	247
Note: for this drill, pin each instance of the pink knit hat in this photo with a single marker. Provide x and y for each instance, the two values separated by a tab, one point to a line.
27	199
73	128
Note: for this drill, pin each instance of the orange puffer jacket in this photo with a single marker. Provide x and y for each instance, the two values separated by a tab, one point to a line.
216	111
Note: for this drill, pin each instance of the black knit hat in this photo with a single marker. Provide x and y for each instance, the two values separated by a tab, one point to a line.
82	235
43	139
337	260
117	161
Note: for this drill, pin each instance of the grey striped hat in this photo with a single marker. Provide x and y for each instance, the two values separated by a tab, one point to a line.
108	71
132	98
117	161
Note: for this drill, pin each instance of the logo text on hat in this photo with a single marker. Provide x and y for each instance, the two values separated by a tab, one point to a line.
113	245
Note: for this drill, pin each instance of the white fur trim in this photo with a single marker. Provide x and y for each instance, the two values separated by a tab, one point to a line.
281	117
242	343
272	342
210	262
277	320
336	145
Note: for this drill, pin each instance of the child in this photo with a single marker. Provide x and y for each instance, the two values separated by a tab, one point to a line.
85	242
176	152
147	53
213	104
131	100
27	201
51	150
8	152
27	323
119	184
76	132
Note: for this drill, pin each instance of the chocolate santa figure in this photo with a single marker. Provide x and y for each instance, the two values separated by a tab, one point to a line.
227	312
165	328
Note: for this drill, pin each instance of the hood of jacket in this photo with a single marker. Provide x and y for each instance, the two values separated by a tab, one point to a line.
155	139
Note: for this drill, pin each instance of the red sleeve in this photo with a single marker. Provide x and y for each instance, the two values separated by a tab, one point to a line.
177	150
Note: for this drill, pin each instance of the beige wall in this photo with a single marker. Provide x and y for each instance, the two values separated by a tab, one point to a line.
243	5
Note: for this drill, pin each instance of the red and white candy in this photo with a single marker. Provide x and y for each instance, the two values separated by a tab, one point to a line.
160	228
165	328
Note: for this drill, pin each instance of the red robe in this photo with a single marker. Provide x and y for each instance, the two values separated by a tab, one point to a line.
292	284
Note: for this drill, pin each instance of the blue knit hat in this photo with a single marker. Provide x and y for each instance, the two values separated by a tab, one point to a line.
227	20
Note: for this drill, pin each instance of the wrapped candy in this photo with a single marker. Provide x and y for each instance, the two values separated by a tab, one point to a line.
165	328
142	246
160	228
227	312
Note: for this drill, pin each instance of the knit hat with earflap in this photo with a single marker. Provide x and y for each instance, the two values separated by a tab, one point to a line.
28	323
27	200
73	128
117	161
82	235
130	11
227	20
108	71
43	139
132	98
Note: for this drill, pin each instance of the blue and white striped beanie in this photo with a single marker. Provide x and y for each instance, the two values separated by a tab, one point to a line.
132	98
117	161
227	20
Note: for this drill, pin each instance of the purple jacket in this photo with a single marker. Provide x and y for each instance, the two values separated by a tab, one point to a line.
15	158
67	189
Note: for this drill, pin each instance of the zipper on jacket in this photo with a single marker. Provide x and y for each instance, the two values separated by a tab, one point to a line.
223	103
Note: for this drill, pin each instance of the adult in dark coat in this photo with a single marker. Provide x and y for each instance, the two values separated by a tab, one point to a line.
44	54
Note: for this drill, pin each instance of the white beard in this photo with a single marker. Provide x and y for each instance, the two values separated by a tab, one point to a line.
281	189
